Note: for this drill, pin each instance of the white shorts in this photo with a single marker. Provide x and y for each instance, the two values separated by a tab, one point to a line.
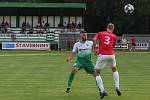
103	60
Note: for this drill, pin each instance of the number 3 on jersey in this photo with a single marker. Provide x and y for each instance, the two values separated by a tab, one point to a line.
107	40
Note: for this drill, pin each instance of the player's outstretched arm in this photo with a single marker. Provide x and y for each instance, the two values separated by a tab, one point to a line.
72	56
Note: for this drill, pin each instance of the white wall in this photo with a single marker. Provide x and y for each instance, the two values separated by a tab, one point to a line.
65	19
7	18
72	19
29	19
44	18
35	21
51	21
13	21
57	20
79	19
1	19
21	20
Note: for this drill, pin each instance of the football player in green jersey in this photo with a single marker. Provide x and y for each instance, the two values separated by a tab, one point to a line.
82	50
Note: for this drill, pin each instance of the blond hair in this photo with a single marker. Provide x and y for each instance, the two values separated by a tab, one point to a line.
110	26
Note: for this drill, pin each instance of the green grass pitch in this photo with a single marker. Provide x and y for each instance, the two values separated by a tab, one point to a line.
41	75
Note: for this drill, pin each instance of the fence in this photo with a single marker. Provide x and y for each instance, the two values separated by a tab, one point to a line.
142	41
65	41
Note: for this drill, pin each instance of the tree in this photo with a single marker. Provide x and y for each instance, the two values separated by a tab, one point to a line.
112	11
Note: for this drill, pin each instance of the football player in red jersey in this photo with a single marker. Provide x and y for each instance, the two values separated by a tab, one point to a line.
106	55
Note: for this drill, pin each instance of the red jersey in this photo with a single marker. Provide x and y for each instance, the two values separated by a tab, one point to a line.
107	41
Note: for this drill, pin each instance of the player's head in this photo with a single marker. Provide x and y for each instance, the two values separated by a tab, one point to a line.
83	36
110	27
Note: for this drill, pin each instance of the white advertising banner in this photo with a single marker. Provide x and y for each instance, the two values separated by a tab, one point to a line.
141	46
121	46
25	46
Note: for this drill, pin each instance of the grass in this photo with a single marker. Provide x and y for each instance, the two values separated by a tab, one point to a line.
40	75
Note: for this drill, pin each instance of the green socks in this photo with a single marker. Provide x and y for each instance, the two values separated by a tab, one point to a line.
71	77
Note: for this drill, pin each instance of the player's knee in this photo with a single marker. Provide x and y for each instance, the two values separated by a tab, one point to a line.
97	72
74	70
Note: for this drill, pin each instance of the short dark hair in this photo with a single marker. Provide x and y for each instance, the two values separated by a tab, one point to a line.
83	32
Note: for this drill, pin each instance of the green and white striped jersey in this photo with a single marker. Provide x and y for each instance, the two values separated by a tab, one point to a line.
83	49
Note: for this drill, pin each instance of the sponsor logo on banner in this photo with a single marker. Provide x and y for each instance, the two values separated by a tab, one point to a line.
141	46
26	46
8	45
121	46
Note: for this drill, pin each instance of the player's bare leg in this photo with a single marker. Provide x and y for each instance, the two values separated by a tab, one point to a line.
71	77
100	83
116	80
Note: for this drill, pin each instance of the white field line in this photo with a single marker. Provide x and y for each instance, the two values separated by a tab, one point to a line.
58	54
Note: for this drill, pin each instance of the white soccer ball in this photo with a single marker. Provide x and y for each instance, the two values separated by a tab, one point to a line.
128	8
